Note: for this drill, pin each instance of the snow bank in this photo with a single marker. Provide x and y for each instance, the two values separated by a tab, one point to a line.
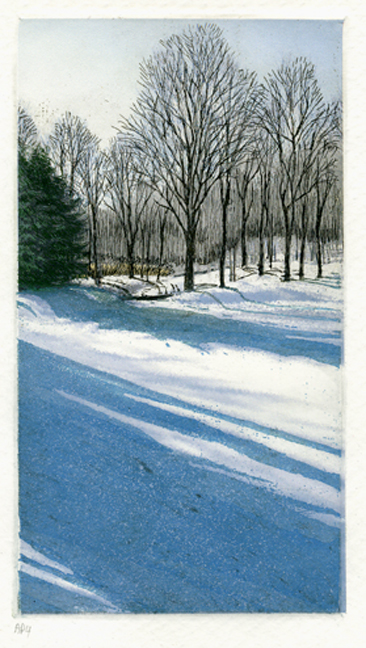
134	288
306	306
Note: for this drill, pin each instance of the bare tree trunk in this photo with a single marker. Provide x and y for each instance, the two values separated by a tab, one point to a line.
302	258
161	249
223	251
303	240
189	261
161	243
318	251
320	204
287	268
142	255
225	197
288	239
261	243
130	260
244	251
90	242
96	273
270	241
148	248
244	220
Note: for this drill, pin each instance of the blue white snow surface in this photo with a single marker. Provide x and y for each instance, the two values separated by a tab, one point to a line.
181	455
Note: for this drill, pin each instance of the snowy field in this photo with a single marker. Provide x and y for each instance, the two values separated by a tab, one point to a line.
182	454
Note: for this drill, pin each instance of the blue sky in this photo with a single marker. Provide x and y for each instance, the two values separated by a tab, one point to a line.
91	67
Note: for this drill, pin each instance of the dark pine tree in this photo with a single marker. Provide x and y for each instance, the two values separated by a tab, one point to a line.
51	224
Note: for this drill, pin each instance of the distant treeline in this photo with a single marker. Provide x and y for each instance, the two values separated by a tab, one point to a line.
212	166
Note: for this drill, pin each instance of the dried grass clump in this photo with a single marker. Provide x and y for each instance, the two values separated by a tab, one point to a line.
122	268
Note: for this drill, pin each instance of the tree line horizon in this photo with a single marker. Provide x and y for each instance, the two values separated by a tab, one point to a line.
209	160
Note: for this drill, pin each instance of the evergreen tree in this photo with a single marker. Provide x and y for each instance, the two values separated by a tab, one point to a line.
51	226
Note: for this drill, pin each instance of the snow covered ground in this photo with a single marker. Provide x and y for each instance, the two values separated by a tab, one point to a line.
296	395
257	373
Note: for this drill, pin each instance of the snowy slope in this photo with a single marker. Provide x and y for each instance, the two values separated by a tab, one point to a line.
267	420
295	395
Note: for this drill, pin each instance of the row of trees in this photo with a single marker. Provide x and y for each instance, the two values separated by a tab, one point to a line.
209	153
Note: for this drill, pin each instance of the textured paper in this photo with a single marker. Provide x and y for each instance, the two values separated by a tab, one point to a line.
207	630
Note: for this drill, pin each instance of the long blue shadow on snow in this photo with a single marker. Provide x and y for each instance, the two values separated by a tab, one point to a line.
141	526
111	312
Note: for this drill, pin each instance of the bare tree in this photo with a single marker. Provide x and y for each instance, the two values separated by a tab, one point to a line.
299	122
146	234
127	191
305	214
162	215
91	182
233	233
273	222
326	175
239	105
266	158
244	176
323	187
68	142
332	221
179	123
